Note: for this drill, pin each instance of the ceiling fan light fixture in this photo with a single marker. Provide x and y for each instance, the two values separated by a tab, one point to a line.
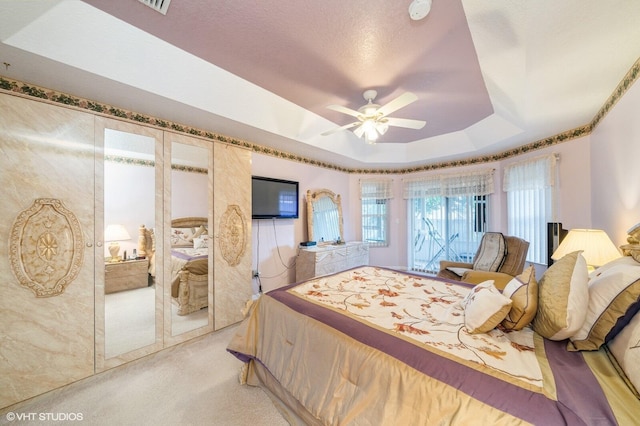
369	126
373	120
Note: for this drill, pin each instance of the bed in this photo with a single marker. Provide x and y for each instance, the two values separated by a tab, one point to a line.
189	261
378	346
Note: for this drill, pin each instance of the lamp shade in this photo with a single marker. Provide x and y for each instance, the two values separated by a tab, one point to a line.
116	233
596	246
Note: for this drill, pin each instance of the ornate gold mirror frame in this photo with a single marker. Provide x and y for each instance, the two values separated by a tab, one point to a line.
324	216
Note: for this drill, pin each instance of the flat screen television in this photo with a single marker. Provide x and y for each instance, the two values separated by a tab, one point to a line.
273	198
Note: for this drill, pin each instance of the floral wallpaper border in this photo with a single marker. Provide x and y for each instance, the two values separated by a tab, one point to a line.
151	163
26	89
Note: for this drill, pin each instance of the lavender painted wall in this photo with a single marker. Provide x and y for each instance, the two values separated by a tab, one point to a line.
615	174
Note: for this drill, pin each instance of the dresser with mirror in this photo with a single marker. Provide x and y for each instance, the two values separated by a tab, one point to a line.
325	227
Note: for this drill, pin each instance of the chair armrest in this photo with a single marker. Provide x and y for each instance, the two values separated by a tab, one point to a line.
444	264
476	277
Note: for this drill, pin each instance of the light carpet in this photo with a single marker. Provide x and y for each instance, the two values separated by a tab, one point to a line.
194	383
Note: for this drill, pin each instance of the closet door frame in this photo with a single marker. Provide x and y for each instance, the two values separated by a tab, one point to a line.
169	138
102	123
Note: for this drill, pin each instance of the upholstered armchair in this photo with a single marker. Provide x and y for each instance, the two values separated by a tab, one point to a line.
499	258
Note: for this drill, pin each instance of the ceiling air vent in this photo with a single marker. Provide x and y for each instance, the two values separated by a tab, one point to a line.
157	5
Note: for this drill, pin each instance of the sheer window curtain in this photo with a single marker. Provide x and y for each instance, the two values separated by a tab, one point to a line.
375	195
531	199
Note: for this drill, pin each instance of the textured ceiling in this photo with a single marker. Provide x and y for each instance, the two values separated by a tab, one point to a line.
489	76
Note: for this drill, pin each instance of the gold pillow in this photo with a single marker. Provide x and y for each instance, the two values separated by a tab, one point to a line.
484	308
563	297
523	292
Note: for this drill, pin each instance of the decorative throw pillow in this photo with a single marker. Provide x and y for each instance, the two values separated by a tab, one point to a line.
484	308
523	292
200	231
491	252
563	296
201	242
614	296
626	350
182	237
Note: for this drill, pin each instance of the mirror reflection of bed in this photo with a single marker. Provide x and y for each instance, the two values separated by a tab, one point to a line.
190	254
189	273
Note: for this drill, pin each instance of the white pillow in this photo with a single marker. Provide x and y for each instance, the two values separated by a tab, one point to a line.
201	242
626	349
614	294
182	237
484	308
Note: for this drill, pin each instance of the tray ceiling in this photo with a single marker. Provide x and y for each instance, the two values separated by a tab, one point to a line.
489	76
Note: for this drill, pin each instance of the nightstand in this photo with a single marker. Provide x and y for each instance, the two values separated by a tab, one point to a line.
126	275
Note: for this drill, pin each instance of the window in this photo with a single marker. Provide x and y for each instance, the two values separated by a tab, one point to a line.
375	195
530	192
447	217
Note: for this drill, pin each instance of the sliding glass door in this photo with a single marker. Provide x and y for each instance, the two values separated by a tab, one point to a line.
445	228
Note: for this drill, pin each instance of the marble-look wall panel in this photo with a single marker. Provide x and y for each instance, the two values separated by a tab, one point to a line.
232	235
47	152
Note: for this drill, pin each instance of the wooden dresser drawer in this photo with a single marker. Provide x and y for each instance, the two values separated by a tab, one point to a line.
315	261
126	275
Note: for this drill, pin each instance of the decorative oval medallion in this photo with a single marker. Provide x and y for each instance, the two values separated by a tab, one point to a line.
46	247
233	235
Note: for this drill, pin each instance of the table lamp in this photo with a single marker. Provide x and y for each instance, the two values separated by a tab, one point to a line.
113	234
597	248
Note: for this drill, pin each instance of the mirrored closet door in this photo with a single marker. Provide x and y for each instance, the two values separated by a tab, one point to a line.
188	296
129	304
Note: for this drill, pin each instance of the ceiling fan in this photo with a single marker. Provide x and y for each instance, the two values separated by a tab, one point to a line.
373	120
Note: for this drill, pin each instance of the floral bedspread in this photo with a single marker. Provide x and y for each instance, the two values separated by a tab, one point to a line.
427	312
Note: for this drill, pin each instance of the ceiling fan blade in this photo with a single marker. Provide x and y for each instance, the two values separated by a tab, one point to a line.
405	122
399	102
359	131
338	129
344	110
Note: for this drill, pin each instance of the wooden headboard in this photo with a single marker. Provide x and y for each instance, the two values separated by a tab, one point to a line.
189	222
